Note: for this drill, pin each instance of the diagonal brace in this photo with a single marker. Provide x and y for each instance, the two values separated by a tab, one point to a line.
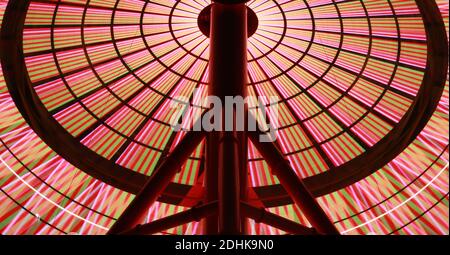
293	185
193	214
163	175
260	215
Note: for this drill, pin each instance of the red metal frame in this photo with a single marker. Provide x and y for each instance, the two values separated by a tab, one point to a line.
193	214
226	163
11	37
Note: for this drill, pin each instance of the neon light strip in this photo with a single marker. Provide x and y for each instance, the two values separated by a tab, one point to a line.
399	205
49	200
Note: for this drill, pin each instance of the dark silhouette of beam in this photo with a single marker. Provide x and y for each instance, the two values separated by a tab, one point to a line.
294	185
211	181
260	215
193	214
159	180
228	78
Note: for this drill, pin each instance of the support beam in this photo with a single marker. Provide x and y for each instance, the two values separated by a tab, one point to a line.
159	180
294	186
229	194
211	222
228	50
228	78
260	215
194	214
243	177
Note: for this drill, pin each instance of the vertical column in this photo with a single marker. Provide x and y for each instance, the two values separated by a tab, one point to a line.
228	77
243	177
211	181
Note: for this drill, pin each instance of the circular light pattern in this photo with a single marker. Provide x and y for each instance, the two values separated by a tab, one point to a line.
343	87
271	30
346	73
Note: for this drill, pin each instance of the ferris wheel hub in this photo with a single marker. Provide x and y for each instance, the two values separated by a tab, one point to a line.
204	21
